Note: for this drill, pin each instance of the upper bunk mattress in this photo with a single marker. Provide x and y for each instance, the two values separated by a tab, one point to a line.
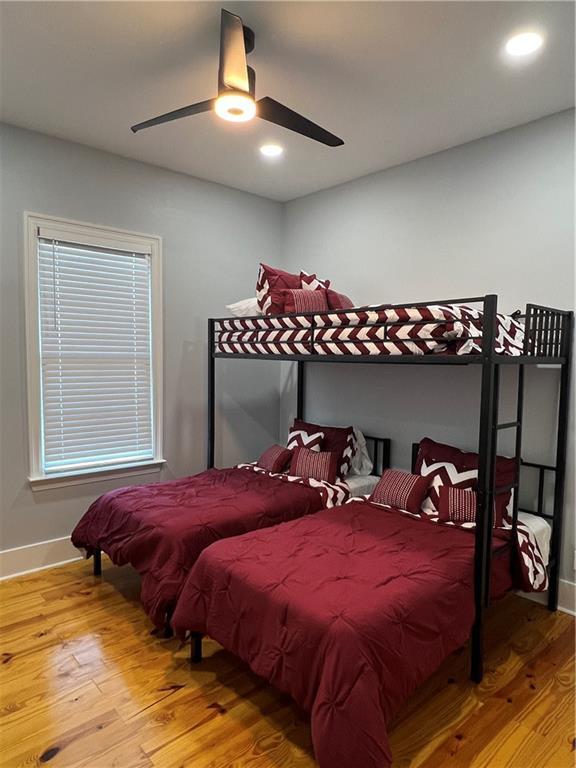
450	329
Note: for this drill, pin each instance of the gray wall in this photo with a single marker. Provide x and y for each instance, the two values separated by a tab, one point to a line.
495	215
492	216
213	238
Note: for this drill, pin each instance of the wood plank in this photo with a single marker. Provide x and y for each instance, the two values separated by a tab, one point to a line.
84	683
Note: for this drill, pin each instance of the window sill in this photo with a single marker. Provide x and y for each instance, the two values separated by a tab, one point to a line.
63	479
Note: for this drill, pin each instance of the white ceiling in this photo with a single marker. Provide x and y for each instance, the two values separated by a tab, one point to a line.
397	80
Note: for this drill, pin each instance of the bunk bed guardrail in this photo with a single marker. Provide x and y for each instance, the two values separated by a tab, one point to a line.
545	334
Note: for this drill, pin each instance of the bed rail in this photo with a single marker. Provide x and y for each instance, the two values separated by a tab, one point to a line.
546	333
379	450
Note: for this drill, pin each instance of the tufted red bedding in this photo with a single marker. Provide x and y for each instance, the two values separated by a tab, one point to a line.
161	528
347	610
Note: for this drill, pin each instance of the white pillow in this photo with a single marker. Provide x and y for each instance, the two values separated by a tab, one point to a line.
245	308
361	464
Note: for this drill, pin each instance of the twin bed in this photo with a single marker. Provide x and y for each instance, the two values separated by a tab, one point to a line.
161	528
343	602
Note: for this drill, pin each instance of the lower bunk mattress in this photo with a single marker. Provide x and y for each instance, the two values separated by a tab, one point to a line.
450	329
347	610
161	528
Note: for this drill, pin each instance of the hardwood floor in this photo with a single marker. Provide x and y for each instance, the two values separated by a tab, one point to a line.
84	683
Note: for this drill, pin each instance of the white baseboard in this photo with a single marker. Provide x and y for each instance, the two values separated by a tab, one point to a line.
566	597
46	554
36	557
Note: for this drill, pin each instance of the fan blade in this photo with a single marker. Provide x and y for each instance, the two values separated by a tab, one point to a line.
176	114
274	112
233	72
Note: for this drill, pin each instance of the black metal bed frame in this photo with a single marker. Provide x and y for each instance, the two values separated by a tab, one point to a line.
548	340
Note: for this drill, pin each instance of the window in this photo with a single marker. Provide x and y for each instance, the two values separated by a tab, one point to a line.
94	349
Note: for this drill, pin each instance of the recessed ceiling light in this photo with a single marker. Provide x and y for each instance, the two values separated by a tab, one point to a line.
524	44
271	150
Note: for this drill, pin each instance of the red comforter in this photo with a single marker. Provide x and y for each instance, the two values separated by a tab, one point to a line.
347	610
161	528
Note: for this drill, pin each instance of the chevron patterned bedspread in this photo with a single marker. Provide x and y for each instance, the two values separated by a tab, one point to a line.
449	329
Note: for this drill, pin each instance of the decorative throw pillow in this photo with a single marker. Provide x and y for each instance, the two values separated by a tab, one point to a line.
276	301
275	459
447	465
338	300
401	490
269	278
318	465
457	505
299	300
339	440
313	283
301	438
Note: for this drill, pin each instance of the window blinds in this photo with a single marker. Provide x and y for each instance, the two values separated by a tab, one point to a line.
96	355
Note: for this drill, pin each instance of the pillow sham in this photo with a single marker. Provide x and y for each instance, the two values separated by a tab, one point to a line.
300	438
338	300
361	463
339	440
312	282
401	490
318	465
244	308
275	459
268	279
446	465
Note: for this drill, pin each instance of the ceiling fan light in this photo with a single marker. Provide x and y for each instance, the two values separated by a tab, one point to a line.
236	107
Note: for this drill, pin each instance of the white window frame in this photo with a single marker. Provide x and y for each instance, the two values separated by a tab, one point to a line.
112	237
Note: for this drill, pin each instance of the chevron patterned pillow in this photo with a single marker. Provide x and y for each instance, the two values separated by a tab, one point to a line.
339	440
270	278
300	438
444	473
313	283
447	465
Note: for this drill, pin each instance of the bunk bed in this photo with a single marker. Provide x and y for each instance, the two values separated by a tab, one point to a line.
467	331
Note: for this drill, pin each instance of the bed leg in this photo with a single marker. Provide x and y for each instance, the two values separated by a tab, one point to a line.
195	647
476	653
168	631
97	562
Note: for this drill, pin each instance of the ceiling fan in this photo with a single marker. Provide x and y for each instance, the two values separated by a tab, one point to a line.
236	90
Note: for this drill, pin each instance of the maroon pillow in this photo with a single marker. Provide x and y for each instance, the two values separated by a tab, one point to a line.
300	300
270	278
338	440
313	283
318	465
446	465
276	301
457	505
401	490
338	300
275	459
